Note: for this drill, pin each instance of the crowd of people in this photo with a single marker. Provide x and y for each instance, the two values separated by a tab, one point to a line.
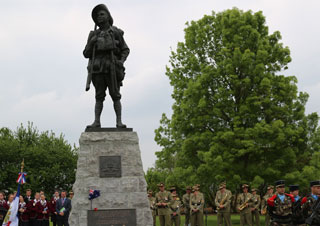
37	210
279	208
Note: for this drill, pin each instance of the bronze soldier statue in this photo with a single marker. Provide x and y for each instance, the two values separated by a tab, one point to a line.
107	51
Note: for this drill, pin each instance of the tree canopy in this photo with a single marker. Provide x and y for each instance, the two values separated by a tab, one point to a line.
50	162
236	117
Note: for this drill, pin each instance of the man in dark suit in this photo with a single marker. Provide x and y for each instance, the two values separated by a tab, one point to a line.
63	208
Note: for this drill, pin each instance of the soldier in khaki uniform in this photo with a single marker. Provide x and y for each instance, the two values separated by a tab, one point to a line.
186	204
255	210
175	210
163	200
280	206
173	190
153	207
223	204
264	204
244	205
196	206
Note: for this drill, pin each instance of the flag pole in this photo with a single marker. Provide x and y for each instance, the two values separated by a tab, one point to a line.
22	165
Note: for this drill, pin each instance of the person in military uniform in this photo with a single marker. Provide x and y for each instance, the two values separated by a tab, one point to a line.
280	206
264	204
244	205
255	210
107	51
310	202
196	207
173	190
186	205
153	207
71	194
223	204
297	216
3	207
175	207
163	200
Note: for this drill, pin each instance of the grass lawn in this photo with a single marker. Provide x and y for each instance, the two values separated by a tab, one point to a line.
212	220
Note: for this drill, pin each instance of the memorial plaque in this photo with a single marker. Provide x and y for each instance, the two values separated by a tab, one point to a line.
110	166
112	217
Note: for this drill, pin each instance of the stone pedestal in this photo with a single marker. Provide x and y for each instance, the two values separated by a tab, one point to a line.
101	156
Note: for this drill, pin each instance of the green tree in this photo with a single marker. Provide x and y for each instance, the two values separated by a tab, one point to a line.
50	162
235	116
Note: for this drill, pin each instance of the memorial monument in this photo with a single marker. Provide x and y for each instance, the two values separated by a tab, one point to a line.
109	158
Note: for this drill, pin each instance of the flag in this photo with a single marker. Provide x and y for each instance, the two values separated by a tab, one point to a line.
93	194
11	218
22	178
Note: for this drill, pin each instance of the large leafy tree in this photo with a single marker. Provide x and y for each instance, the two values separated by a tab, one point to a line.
235	116
50	162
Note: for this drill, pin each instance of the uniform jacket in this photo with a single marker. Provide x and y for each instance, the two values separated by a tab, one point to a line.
153	207
3	209
175	206
164	197
196	202
281	212
308	203
40	207
186	201
245	197
226	196
256	202
264	200
52	205
32	208
23	216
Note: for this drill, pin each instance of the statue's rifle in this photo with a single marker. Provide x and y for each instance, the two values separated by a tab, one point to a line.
91	62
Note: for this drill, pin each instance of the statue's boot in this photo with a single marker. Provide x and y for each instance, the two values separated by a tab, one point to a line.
117	109
97	113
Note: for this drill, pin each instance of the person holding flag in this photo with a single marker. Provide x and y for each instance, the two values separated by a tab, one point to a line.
11	218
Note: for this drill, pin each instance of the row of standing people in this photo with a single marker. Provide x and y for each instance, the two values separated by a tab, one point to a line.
167	206
279	208
37	210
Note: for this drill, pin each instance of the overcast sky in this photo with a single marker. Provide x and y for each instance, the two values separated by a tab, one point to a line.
43	72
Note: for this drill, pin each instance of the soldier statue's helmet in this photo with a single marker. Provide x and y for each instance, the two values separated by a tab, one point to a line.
293	187
315	183
280	183
270	187
99	8
245	186
161	185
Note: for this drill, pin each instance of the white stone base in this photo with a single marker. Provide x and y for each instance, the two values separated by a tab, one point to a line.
126	192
